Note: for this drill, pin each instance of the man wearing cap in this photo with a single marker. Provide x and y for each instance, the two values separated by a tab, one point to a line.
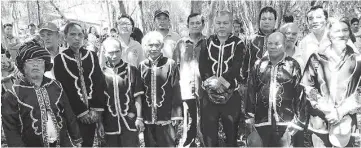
49	34
162	24
36	112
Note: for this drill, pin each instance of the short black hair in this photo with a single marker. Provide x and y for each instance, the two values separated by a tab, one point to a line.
236	21
137	35
288	19
70	25
313	8
194	15
267	9
128	17
8	25
355	20
113	29
31	25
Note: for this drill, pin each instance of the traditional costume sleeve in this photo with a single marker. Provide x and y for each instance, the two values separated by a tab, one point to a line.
234	70
79	108
309	82
250	102
70	118
204	66
300	104
352	104
176	113
246	69
98	103
11	120
136	83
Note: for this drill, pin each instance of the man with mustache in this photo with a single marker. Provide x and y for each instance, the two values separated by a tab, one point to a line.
275	105
162	24
79	72
219	66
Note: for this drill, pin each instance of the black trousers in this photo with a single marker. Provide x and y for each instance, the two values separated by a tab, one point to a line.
229	114
125	139
191	115
159	135
87	132
271	136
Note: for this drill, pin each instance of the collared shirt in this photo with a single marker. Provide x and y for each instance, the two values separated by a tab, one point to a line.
274	93
310	44
132	53
337	85
170	42
186	55
50	73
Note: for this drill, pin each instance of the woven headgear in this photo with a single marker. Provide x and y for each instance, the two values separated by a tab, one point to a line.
31	50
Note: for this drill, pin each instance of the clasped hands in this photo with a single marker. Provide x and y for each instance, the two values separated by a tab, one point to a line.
91	117
213	84
332	114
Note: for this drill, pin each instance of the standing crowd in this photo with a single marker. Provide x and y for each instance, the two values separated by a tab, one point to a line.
61	88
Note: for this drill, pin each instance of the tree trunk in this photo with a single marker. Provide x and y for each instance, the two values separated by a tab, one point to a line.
121	7
196	7
211	17
109	16
39	18
29	14
140	3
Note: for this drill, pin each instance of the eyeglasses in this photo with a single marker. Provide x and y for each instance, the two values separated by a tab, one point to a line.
35	61
125	24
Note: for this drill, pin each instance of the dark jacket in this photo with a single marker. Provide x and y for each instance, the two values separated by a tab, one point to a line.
67	72
121	81
24	112
275	94
163	100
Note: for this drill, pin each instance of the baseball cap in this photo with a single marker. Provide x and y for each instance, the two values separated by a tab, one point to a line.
159	12
340	133
49	26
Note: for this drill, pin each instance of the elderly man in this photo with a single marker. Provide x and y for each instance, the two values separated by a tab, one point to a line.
275	103
290	30
120	115
186	54
162	106
162	24
332	84
36	112
219	66
79	72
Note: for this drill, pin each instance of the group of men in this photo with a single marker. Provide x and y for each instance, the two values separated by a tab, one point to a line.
269	86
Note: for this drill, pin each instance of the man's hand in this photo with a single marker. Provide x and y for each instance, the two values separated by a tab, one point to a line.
78	145
176	122
286	139
131	115
242	90
95	116
100	129
86	119
333	117
139	124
